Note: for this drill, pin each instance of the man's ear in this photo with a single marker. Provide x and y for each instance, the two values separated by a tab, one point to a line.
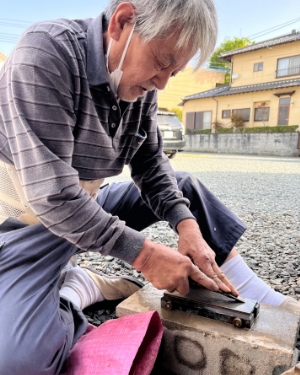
124	13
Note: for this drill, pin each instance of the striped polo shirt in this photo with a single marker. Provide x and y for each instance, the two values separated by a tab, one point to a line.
61	123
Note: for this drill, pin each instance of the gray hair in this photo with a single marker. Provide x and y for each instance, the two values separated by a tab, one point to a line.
196	21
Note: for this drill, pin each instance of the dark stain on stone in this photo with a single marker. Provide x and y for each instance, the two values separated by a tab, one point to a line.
182	345
232	364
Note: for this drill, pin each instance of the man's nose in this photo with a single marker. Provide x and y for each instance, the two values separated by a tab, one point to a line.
161	79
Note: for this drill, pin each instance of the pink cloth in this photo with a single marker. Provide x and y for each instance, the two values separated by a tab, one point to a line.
124	346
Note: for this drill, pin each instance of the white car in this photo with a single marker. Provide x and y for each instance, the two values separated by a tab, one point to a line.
172	131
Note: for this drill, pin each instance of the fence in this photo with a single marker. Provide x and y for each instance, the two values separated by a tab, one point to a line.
276	144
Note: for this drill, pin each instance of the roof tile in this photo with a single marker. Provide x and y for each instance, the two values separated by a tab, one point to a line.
228	90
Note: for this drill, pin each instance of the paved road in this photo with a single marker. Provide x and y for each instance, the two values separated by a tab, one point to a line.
244	183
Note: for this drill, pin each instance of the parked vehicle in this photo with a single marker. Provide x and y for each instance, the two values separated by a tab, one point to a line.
172	131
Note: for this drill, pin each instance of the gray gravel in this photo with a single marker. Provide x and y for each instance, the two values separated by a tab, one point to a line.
263	191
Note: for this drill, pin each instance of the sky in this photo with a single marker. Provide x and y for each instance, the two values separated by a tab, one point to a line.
240	18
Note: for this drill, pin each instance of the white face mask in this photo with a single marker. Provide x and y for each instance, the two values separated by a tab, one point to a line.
116	75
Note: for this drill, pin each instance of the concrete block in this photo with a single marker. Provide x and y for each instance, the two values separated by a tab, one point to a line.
194	345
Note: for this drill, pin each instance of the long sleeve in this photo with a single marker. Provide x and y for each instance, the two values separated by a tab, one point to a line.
40	105
154	176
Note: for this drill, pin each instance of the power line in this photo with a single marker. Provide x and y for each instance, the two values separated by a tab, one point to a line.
9	38
9	35
13	24
10	20
7	41
12	38
274	28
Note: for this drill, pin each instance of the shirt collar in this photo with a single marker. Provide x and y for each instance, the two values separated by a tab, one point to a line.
97	73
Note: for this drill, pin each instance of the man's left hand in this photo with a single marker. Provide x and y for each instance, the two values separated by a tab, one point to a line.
192	244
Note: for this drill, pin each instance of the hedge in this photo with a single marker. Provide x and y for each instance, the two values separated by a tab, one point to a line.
261	129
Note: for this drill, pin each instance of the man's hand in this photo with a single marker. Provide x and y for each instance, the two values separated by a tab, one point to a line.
167	269
192	244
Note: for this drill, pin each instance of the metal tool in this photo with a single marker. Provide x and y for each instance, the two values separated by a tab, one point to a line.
194	285
219	306
229	295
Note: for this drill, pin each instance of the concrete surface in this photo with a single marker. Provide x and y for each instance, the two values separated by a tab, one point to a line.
193	345
276	144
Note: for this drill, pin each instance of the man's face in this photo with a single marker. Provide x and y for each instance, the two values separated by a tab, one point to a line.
147	65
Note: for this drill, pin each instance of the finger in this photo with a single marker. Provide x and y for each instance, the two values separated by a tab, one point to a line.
205	264
223	279
207	267
211	269
171	290
202	279
220	284
183	288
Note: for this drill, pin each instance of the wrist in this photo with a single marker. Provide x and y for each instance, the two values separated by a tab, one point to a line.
141	261
187	224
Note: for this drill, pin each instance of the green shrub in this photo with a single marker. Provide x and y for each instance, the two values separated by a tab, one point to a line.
272	129
258	129
225	130
204	131
192	131
178	112
237	120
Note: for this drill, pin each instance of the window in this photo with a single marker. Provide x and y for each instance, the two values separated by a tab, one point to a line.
198	120
226	113
262	114
284	101
245	112
258	67
288	66
190	120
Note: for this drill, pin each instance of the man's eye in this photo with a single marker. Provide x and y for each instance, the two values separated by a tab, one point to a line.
160	65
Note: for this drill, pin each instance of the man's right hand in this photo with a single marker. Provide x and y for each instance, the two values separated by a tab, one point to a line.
167	269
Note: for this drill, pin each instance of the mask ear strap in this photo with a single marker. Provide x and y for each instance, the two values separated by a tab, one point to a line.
108	51
126	47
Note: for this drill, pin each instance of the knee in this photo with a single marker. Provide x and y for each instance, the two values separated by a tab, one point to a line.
182	176
186	182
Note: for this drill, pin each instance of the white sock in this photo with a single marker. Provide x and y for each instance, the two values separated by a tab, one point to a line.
80	289
248	284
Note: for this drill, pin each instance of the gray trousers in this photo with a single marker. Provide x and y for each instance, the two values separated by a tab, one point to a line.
37	328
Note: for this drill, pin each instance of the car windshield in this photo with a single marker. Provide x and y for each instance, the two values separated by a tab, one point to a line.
167	120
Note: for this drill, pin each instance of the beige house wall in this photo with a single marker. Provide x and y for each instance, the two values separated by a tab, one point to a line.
3	58
248	100
243	74
243	64
187	83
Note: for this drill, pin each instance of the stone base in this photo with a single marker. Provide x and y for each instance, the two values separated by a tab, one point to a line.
193	345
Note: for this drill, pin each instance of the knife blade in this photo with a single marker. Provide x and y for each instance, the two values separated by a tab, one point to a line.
229	295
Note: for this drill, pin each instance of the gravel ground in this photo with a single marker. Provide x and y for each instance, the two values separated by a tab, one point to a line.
263	191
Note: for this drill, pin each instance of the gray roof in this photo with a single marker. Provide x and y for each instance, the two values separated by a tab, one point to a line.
293	37
228	90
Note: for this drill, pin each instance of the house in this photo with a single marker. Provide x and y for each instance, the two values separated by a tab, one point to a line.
3	58
188	82
264	88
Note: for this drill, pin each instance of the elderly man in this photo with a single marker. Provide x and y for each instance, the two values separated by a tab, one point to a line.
77	102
